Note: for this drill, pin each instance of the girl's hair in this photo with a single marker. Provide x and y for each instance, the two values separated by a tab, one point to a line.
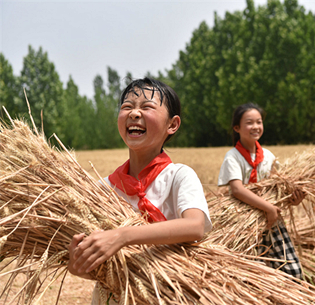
237	116
150	86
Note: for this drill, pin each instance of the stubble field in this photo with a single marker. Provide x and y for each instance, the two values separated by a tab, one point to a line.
205	161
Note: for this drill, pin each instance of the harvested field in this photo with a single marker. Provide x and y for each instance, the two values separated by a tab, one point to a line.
205	161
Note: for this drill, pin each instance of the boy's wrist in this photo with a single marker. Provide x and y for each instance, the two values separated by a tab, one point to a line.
123	236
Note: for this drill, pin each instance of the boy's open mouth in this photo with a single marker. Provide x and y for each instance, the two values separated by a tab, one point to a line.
136	130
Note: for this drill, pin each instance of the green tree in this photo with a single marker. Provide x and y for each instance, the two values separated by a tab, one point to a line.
77	118
8	88
128	79
106	131
113	83
43	88
193	78
264	55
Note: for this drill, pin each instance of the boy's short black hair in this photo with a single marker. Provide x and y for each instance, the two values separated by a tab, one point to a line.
167	94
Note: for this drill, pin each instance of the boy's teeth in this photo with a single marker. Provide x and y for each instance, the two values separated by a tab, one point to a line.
136	128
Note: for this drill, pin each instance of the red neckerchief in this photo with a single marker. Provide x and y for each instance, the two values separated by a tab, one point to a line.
131	186
246	154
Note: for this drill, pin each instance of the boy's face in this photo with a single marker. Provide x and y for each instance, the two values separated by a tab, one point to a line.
143	122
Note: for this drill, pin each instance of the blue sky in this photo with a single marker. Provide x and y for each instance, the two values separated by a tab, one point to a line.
83	37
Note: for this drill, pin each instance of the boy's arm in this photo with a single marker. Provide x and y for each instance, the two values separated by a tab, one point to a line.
247	196
101	245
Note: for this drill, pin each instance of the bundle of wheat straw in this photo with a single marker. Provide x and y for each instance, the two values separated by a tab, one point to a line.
239	227
301	226
46	198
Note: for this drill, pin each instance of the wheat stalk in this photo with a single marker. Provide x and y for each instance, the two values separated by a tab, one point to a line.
46	198
239	227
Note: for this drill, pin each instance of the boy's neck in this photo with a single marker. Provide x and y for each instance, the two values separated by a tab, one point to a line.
139	160
251	146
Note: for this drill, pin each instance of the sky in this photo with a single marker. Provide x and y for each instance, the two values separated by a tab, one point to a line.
82	38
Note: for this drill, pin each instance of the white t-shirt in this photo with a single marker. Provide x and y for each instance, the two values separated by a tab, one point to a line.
235	167
176	189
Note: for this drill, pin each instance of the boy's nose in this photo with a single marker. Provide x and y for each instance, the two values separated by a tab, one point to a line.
135	114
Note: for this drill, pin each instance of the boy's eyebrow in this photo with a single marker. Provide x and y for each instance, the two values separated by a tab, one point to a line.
143	102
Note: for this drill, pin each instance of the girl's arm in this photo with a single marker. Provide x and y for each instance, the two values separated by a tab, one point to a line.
247	196
88	253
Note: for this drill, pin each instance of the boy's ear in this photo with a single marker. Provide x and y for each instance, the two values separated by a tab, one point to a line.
236	128
174	125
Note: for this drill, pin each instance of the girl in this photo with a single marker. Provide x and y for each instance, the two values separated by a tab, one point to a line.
149	115
248	162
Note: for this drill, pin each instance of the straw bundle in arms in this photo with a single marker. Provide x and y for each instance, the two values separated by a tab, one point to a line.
46	198
239	226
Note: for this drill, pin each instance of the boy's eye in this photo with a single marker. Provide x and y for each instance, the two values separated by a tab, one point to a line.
148	105
125	106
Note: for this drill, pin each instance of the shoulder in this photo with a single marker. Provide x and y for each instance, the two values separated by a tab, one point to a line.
234	167
179	171
233	156
268	154
269	157
181	168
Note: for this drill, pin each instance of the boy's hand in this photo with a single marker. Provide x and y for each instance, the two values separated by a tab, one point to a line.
297	197
90	252
73	247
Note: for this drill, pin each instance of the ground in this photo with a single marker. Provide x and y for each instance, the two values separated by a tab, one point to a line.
205	161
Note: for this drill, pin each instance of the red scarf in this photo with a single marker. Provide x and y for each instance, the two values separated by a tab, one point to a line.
246	154
131	186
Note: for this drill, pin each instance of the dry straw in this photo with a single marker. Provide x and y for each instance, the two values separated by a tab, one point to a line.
239	226
46	198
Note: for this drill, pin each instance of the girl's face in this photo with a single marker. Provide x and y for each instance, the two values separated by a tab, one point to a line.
251	127
144	124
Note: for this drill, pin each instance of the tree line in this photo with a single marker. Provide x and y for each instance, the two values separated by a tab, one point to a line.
264	55
80	122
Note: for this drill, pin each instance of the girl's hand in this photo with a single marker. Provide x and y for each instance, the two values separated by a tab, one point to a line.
272	215
297	197
93	250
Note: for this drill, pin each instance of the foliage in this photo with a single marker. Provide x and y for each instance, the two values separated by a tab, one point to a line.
106	131
77	118
79	122
43	88
264	54
8	87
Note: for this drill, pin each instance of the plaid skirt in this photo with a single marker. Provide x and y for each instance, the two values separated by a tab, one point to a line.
277	244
